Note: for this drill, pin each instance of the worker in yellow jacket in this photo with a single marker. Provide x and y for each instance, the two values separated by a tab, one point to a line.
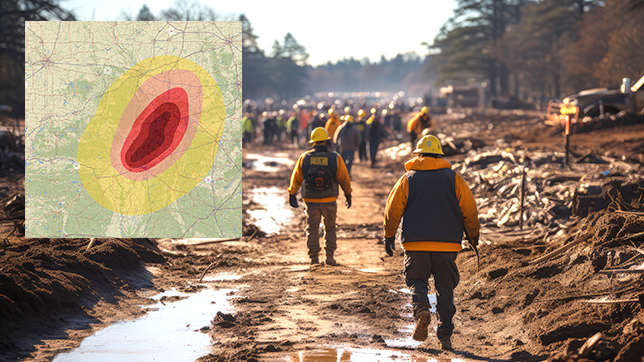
319	172
419	122
436	206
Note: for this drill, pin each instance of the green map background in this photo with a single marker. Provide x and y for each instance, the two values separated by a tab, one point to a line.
69	66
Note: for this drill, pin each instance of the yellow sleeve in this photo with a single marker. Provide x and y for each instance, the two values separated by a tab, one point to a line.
412	124
343	176
296	177
395	206
468	207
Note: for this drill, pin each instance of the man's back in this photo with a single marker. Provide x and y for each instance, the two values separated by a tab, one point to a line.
348	137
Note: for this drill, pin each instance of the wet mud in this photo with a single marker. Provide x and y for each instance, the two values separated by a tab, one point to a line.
553	273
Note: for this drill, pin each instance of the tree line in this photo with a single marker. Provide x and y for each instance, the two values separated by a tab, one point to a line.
284	73
540	48
524	49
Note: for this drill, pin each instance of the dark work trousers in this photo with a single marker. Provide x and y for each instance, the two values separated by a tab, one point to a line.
362	151
373	149
419	266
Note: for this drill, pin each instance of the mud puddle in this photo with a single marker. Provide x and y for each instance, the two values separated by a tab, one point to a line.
268	163
171	331
272	212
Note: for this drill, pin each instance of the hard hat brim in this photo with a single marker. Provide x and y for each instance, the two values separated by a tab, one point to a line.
326	139
418	150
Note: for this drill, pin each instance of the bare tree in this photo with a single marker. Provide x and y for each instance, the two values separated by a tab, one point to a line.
144	14
182	10
13	14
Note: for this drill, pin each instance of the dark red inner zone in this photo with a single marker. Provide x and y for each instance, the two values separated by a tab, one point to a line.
157	131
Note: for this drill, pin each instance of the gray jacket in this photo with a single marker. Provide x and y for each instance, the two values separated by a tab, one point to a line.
347	137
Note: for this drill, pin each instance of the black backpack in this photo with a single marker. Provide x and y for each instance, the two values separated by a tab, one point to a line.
318	172
318	178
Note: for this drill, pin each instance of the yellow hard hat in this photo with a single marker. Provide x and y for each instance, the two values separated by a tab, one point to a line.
331	111
373	110
319	134
429	144
361	113
342	118
424	110
347	109
348	118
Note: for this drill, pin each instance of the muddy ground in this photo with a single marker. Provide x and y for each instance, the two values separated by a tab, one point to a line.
53	293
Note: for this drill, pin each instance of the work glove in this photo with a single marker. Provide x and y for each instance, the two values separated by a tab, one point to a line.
348	200
292	200
390	245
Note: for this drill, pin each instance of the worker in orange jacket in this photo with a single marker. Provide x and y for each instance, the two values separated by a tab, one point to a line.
331	127
436	206
320	171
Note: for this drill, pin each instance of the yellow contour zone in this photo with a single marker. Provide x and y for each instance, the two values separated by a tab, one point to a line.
130	197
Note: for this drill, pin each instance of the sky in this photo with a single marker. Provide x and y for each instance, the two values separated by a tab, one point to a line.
330	30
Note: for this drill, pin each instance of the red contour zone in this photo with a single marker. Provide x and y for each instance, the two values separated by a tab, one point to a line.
157	131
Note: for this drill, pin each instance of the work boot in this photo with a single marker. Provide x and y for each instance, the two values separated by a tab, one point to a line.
315	261
446	344
423	317
329	259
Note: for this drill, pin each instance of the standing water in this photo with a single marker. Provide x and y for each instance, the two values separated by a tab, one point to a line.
269	163
171	333
273	211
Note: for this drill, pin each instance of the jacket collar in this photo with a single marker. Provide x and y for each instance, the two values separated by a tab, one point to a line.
420	163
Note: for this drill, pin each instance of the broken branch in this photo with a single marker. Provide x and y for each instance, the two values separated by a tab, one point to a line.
205	271
214	242
636	213
614	301
621	271
559	250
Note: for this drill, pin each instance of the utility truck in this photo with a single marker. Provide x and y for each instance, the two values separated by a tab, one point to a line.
598	102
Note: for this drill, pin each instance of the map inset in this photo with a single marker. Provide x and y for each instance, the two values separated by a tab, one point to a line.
133	129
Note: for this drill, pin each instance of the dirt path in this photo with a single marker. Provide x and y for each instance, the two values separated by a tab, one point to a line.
287	305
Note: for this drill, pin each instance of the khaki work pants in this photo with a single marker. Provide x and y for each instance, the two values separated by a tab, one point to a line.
314	213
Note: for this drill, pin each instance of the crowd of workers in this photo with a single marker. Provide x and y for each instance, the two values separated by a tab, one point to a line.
350	130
